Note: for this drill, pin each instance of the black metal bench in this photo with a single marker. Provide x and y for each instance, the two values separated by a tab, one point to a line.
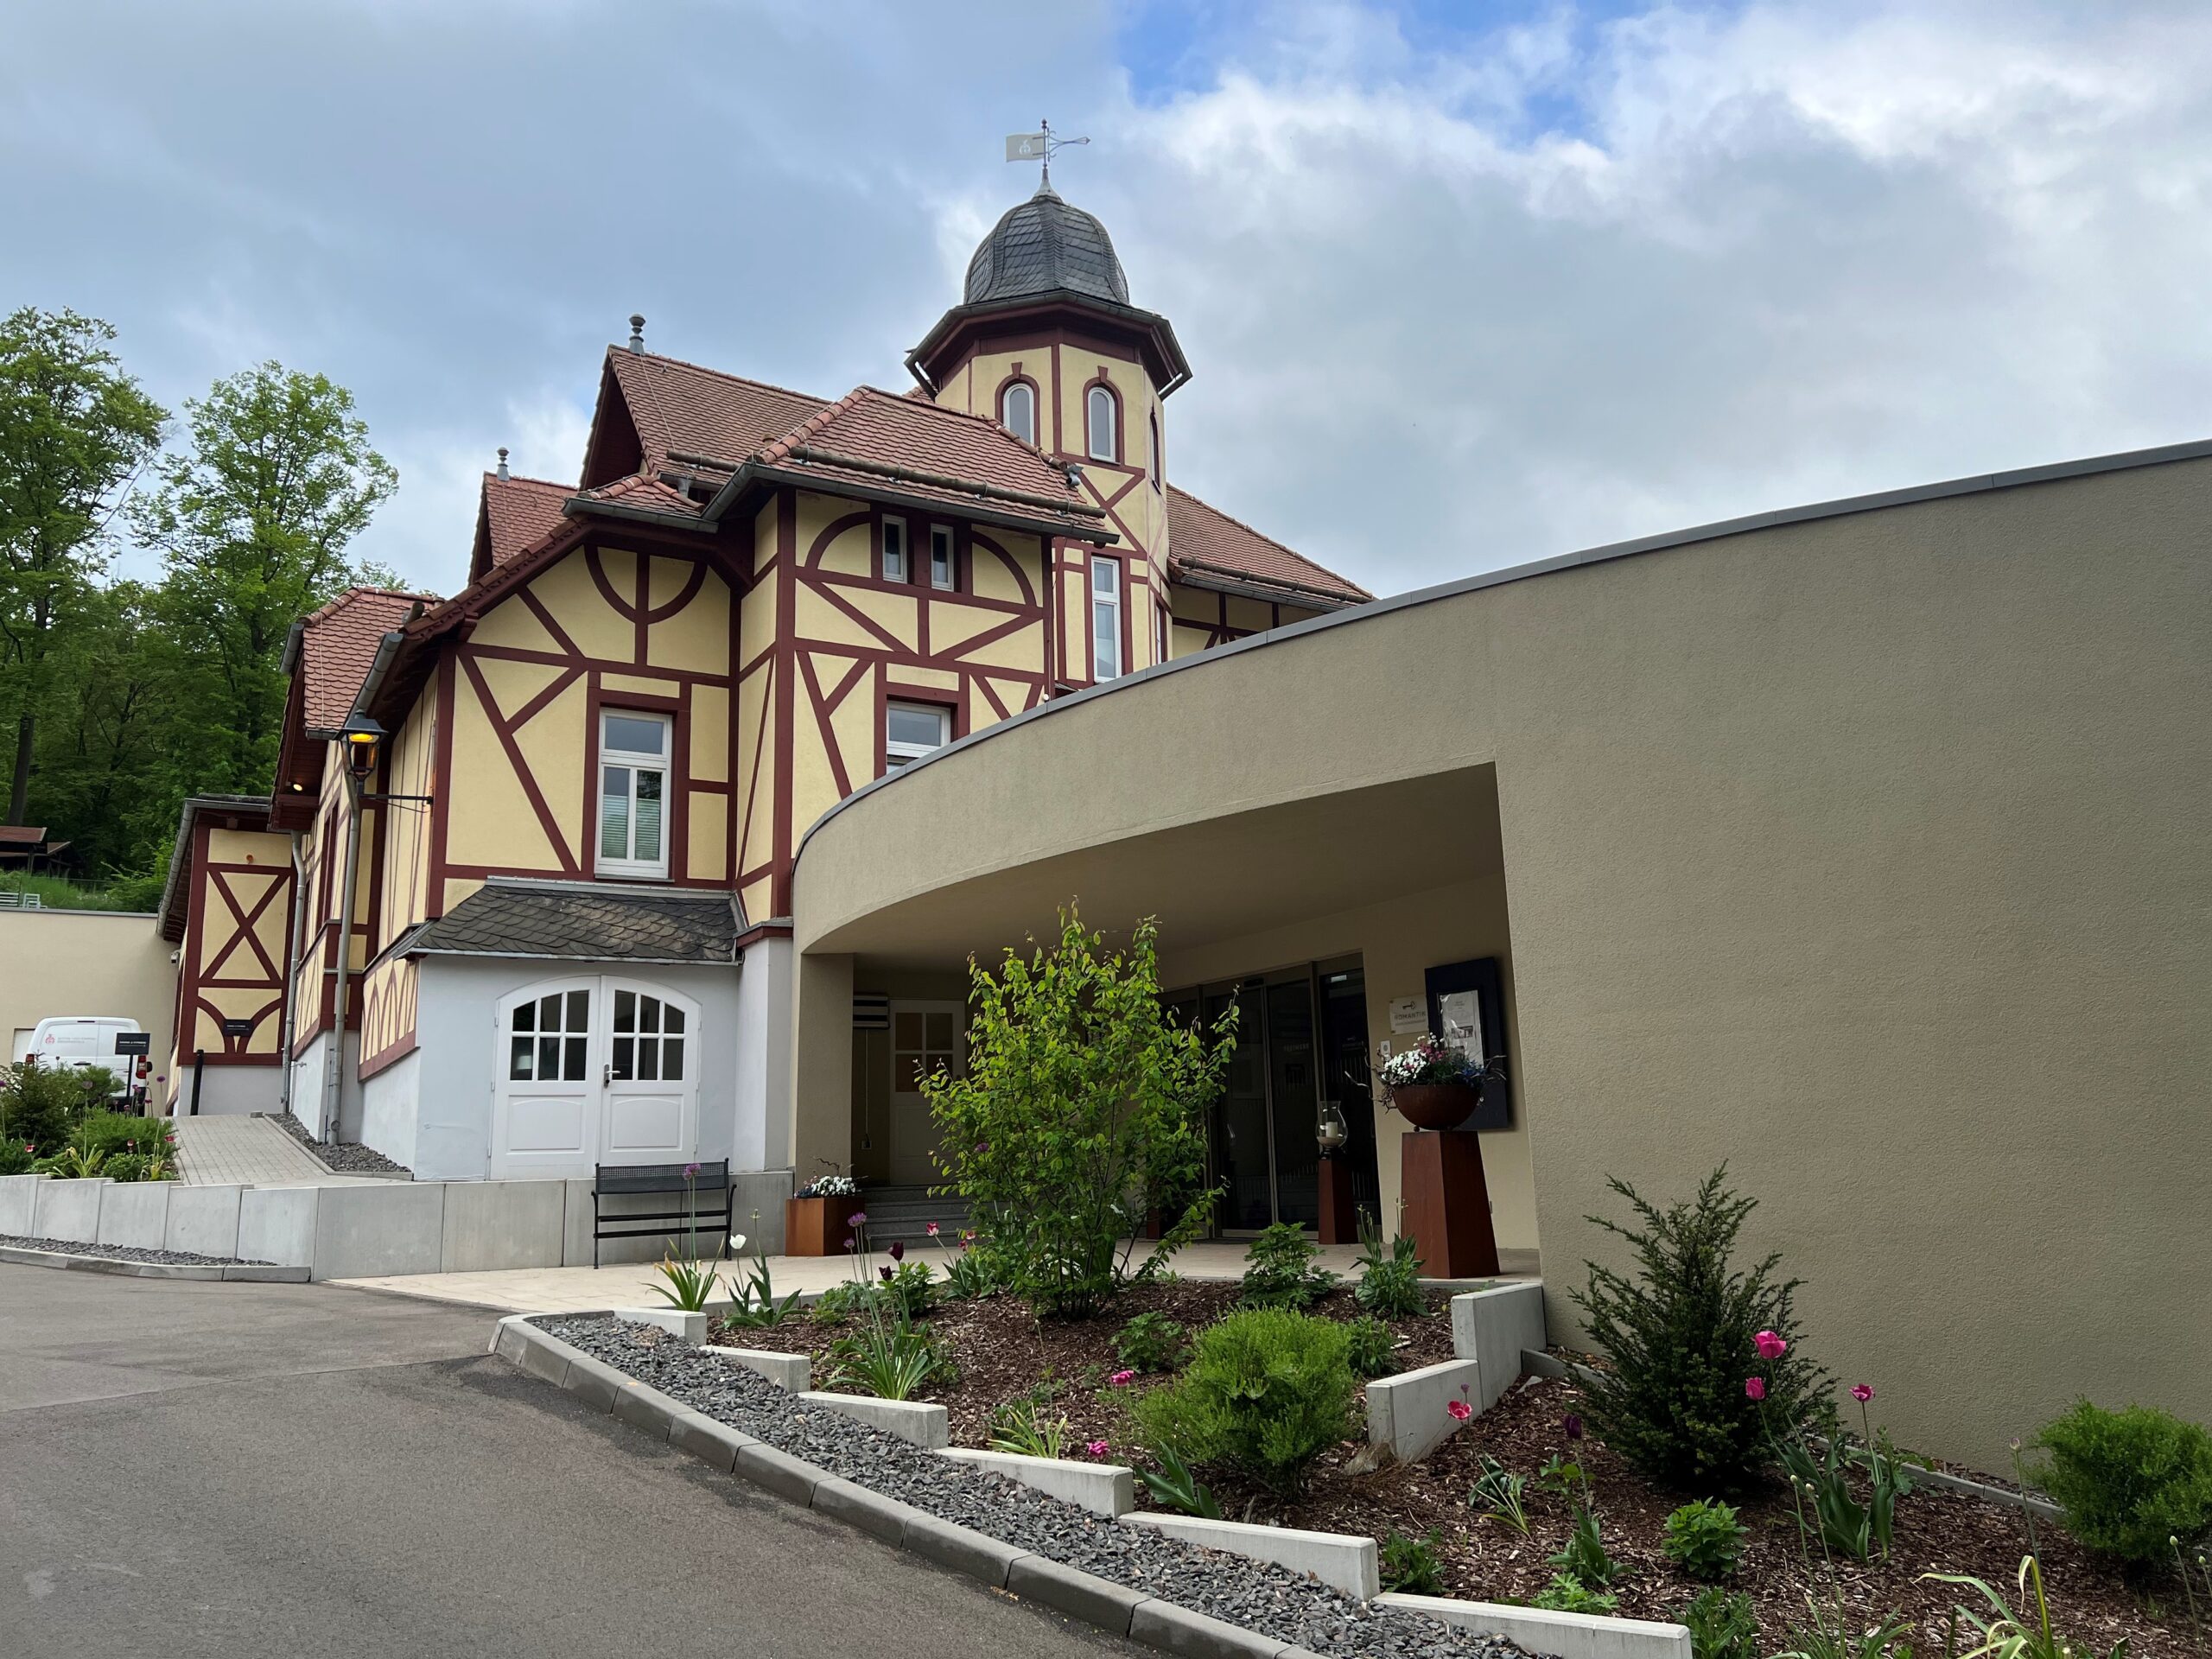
612	1179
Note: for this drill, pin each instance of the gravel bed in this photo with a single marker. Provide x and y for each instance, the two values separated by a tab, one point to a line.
343	1157
128	1253
1280	1603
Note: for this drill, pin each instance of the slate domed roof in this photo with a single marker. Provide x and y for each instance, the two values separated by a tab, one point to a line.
1043	246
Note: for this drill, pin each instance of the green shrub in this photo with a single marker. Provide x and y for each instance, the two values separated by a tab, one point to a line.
1680	1336
2127	1481
1389	1280
113	1132
1567	1595
1151	1342
39	1104
15	1157
1082	1112
1722	1624
1279	1270
1410	1567
1705	1538
1371	1348
125	1167
970	1278
1267	1392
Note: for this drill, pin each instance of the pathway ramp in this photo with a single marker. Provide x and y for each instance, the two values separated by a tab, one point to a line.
237	1150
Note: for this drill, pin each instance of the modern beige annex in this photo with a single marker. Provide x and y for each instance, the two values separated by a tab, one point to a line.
1862	847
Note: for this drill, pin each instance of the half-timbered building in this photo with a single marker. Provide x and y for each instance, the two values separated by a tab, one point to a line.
536	840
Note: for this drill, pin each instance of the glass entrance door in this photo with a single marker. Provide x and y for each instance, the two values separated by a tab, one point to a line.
1265	1151
1241	1155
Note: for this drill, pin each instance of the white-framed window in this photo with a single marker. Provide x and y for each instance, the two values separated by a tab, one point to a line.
1100	415
1017	411
1105	619
633	755
894	550
911	730
945	563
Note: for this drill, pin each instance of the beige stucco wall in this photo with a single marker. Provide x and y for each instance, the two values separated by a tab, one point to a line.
1865	853
58	963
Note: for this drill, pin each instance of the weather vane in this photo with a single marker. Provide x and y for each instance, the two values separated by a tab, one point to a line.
1038	146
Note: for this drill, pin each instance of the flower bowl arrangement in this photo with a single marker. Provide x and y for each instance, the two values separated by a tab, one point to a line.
815	1217
1431	1086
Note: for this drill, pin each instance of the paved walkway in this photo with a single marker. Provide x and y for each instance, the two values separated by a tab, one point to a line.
232	1149
296	1472
576	1290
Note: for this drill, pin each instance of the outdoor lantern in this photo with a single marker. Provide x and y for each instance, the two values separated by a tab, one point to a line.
1332	1130
361	735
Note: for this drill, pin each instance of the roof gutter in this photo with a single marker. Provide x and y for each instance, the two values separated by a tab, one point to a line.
752	471
1197	573
387	652
576	504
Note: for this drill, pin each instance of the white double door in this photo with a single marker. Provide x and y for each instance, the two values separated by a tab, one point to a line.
595	1069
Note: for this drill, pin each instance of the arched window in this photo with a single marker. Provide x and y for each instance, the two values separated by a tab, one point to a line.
1017	411
1102	442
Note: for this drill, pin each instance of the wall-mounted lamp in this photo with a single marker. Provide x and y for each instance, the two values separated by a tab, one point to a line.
361	736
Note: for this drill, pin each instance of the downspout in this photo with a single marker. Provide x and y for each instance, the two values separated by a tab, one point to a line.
292	969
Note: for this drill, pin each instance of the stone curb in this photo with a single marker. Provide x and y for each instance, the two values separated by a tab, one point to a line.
230	1272
1112	1607
1345	1563
1539	1630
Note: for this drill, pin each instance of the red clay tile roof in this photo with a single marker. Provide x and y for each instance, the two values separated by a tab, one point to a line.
680	408
882	429
645	494
520	512
1204	543
339	644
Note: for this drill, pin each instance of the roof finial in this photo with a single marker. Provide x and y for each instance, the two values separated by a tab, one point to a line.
1038	146
503	463
637	334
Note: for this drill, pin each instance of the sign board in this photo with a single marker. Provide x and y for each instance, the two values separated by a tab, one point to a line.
134	1042
237	1027
1407	1016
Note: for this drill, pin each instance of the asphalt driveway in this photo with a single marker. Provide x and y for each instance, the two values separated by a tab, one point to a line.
301	1471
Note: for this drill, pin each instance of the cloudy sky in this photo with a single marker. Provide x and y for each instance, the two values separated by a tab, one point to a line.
1462	285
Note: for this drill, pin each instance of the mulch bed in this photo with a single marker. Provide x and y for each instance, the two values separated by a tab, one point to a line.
1003	1354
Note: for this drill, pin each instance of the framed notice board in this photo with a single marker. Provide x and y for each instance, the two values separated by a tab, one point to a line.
1466	1012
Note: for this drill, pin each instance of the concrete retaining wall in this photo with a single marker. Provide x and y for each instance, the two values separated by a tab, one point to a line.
67	1209
1564	1636
135	1214
1411	1414
1106	1489
492	1224
1337	1559
18	1200
203	1220
1492	1327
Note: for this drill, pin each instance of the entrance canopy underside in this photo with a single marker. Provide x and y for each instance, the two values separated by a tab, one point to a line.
1218	879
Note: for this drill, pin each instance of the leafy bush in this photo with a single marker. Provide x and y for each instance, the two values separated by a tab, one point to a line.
1567	1595
1389	1280
1082	1113
1151	1342
1705	1538
1279	1270
128	1166
116	1131
970	1277
15	1157
1410	1566
1681	1337
1268	1391
39	1104
1722	1624
1372	1342
2127	1480
892	1359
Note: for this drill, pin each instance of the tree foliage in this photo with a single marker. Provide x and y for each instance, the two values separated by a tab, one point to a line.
73	430
1081	1115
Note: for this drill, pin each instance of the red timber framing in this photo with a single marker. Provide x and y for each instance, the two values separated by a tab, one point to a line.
233	904
1218	629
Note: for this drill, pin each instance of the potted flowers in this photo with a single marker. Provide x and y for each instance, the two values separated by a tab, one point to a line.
815	1216
1433	1086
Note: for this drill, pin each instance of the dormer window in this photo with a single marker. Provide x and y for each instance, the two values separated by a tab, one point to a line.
1102	438
894	544
634	750
945	563
1017	411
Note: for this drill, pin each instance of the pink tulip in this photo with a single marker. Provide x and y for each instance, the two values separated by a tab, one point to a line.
1096	1448
932	1229
1769	1345
1755	1387
1861	1393
1122	1379
1460	1410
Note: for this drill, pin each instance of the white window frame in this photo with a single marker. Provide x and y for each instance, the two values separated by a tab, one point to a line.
944	559
895	565
636	760
1106	608
1025	429
896	754
1101	396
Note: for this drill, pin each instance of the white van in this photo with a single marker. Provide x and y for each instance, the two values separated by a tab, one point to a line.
82	1041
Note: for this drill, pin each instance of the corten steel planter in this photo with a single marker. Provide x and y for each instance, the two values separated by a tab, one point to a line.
818	1226
1447	1204
1436	1105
